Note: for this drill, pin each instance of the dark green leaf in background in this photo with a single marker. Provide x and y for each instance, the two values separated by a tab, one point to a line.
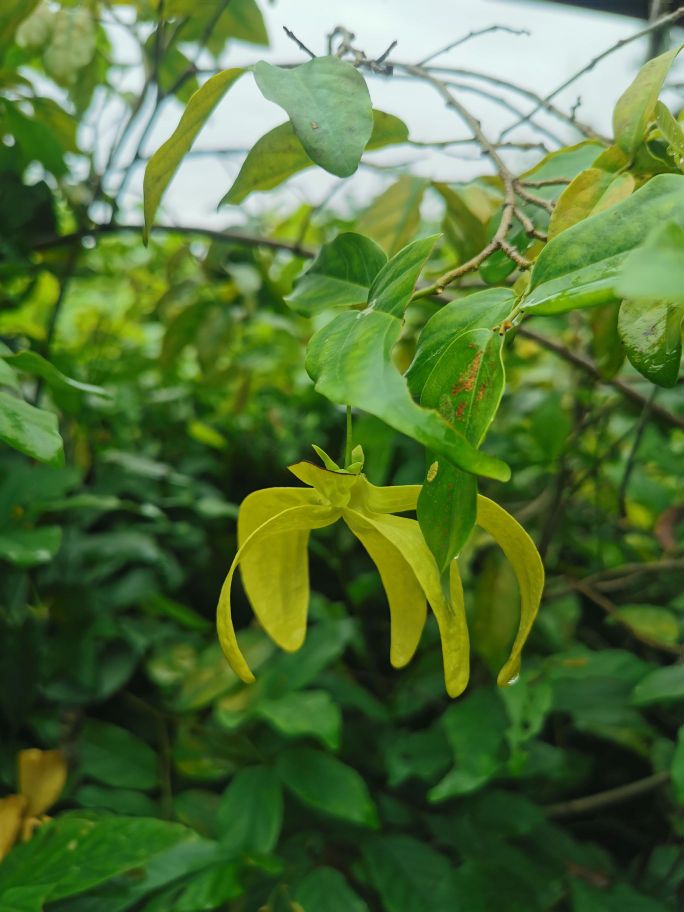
328	785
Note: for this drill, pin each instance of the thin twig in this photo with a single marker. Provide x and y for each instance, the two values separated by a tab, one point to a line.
631	459
476	33
291	35
611	796
653	26
660	414
612	610
228	236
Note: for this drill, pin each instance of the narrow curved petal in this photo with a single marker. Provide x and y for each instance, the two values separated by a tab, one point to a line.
275	571
407	538
397	499
404	594
12	810
333	487
522	553
42	776
293	519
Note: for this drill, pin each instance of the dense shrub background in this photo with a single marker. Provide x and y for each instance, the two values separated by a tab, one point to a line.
334	784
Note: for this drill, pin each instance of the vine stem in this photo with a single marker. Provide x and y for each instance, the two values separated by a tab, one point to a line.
348	444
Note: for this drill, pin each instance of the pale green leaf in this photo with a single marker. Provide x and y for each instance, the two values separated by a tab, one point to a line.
592	191
671	130
654	271
328	104
279	154
579	267
165	161
29	362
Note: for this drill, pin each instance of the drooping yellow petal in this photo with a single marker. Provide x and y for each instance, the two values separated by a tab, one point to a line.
293	519
522	553
12	810
407	538
396	499
275	571
42	775
332	487
404	594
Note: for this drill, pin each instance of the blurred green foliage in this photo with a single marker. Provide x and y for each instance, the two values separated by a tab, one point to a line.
174	377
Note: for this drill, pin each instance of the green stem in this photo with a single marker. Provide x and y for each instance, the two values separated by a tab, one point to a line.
348	446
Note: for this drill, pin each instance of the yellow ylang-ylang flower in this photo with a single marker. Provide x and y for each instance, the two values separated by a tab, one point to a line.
273	532
42	775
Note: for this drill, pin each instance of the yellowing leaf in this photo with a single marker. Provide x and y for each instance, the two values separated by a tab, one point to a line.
295	519
165	161
42	775
404	593
524	558
393	217
592	191
275	572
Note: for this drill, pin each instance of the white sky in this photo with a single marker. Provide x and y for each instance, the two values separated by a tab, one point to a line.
562	40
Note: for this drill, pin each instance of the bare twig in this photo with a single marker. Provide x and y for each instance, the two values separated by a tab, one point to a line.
660	414
474	34
291	35
631	459
230	236
611	609
649	29
611	796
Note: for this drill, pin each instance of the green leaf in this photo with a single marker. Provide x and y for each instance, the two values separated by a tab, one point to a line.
30	430
475	728
654	271
678	766
118	801
650	621
636	107
279	154
409	875
165	161
114	756
340	276
309	712
485	309
29	362
327	784
326	890
250	813
447	503
660	686
671	130
651	333
29	547
579	267
465	386
104	848
350	362
329	106
393	218
8	377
